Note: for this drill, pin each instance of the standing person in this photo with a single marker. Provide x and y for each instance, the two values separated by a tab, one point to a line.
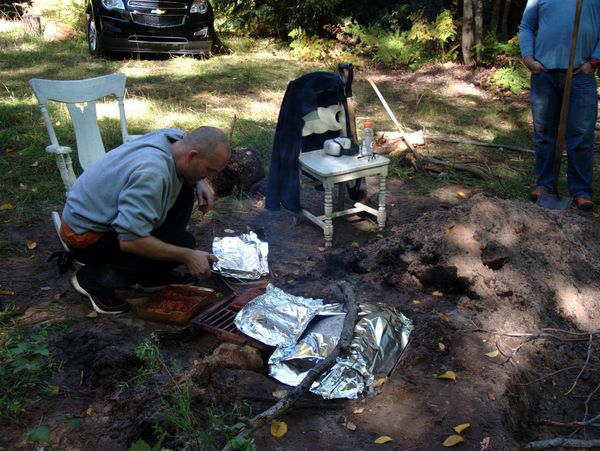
545	39
125	216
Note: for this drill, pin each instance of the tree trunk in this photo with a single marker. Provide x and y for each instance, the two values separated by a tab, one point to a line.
478	30
468	36
495	18
505	16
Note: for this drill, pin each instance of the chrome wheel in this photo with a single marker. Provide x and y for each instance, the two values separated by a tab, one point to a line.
92	36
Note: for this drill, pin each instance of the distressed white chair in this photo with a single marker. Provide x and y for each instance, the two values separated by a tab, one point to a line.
80	98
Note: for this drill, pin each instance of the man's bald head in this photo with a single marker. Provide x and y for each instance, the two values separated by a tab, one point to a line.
202	153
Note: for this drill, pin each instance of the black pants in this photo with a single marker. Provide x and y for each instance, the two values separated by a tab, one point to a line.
113	268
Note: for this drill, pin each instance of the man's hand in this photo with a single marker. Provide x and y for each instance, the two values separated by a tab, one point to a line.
533	65
586	68
204	195
198	262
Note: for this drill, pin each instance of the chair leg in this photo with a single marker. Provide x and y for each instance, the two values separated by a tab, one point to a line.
381	213
65	167
328	229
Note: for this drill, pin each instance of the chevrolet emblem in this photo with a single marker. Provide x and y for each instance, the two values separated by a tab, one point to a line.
158	12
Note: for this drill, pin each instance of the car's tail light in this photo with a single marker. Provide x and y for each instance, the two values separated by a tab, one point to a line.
199	6
113	4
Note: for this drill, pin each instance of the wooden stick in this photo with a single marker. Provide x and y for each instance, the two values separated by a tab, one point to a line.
461	167
564	442
231	127
296	393
451	139
391	115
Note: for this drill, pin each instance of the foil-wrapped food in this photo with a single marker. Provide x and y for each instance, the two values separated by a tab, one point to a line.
380	336
241	257
277	318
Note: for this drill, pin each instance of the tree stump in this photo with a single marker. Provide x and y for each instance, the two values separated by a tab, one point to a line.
243	172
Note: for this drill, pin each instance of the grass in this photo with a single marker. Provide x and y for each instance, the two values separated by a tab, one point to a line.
186	92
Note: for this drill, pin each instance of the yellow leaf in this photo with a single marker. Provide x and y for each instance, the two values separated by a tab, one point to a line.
447	375
89	412
6	206
441	347
443	317
34	189
229	231
280	394
416	302
54	389
461	194
7	293
437	294
34	164
355	244
31	245
453	440
383	439
379	382
461	427
358	410
379	235
278	428
492	354
92	314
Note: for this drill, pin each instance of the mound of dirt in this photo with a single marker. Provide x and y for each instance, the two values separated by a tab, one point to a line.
506	254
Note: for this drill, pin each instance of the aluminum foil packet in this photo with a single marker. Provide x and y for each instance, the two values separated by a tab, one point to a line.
241	257
380	336
277	318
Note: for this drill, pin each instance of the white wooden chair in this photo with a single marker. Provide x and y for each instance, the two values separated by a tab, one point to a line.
80	98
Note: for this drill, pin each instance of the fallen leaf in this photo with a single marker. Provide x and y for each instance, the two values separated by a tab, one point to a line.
443	317
358	410
6	206
491	394
31	257
34	164
321	249
7	293
461	427
31	245
453	440
441	347
416	302
93	314
437	294
379	382
383	439
34	189
350	425
355	244
492	354
280	394
58	296
379	235
461	194
278	428
54	389
447	375
89	411
484	444
229	231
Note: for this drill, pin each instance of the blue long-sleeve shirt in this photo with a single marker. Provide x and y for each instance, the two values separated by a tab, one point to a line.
552	20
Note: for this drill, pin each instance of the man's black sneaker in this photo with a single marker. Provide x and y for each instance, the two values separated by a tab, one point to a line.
159	281
103	299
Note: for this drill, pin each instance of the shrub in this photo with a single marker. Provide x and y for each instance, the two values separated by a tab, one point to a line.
68	12
514	77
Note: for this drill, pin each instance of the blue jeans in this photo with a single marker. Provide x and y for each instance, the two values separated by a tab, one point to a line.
546	100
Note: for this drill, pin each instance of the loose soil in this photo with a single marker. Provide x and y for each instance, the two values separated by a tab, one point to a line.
476	275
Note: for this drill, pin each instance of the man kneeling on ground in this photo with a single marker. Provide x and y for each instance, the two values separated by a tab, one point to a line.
125	216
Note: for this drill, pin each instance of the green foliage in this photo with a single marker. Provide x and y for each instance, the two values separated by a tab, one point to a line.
24	366
308	47
514	77
424	41
142	445
38	435
69	12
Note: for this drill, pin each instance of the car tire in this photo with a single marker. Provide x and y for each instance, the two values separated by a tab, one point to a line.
94	38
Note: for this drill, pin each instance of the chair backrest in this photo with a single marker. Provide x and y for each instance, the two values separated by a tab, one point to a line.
80	97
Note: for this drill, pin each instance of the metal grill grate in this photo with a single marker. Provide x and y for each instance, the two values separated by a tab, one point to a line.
152	20
149	4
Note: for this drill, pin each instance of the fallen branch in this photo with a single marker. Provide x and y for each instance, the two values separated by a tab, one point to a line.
313	374
573	425
450	139
587	360
461	167
564	442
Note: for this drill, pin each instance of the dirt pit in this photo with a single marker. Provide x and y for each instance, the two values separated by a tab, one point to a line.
502	293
